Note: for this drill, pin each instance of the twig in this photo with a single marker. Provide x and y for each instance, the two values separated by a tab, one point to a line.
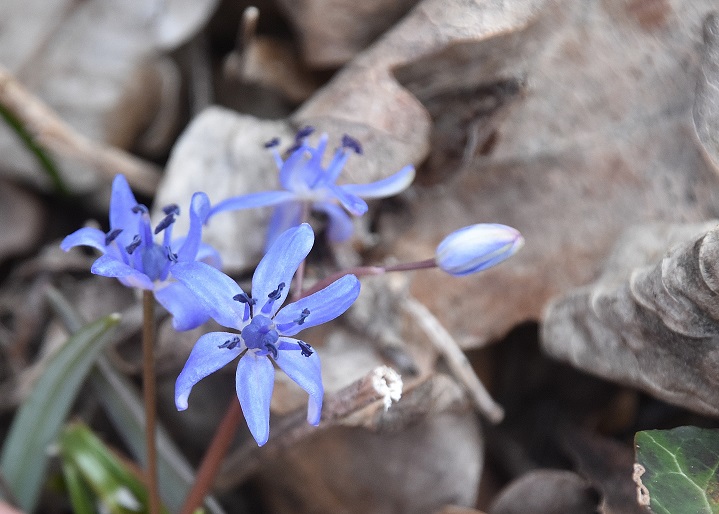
458	364
48	131
382	383
148	389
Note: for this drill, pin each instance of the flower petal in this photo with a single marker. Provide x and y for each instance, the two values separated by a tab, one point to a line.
307	373
199	210
187	311
285	215
214	290
354	204
280	263
251	201
324	305
86	236
339	226
206	357
121	216
389	186
254	381
108	266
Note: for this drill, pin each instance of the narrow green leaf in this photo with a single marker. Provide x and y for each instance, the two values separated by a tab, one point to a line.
81	497
38	421
680	469
116	486
43	158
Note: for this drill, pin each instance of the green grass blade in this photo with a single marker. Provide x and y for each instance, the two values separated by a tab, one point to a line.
38	421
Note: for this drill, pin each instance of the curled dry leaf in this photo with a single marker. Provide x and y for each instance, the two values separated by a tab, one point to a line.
648	322
706	105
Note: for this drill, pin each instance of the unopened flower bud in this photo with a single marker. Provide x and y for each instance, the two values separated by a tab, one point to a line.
477	247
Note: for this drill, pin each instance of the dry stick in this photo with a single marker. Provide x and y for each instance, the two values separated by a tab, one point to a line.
49	131
148	389
458	364
382	383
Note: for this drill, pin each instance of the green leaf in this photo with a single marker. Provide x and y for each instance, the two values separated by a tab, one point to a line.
680	469
38	422
114	484
81	497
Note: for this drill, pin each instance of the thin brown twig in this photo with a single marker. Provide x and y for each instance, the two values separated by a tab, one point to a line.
49	131
148	383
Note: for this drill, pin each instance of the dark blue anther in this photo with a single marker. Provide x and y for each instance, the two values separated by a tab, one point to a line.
140	208
112	235
230	344
173	208
272	349
305	348
304	132
244	298
136	241
352	144
272	143
303	316
164	223
172	257
275	295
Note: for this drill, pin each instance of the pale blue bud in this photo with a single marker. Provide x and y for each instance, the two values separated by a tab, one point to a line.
477	247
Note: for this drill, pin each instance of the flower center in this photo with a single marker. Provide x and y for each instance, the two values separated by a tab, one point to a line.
261	334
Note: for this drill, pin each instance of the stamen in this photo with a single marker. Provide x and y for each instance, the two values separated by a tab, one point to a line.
304	132
230	344
352	144
136	241
275	295
272	349
172	257
303	316
164	223
173	208
305	348
272	143
244	298
112	235
140	208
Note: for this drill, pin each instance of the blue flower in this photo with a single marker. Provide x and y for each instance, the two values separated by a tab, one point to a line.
477	247
264	331
131	254
306	182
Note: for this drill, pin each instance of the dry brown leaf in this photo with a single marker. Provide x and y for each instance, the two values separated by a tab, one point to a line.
706	105
21	216
649	322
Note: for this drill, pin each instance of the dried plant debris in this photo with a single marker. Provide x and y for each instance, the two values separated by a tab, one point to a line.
582	123
649	322
93	63
21	216
706	105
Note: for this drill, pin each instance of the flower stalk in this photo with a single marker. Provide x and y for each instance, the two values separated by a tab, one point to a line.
149	394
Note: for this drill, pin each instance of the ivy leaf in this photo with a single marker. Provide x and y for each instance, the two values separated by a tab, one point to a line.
680	469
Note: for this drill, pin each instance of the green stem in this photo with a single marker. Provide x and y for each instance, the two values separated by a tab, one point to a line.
149	393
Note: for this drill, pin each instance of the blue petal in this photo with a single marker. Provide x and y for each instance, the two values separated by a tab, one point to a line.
121	216
335	167
187	311
303	168
254	381
285	215
251	201
214	290
85	237
324	305
108	266
307	373
206	358
354	204
280	263
339	226
199	210
389	186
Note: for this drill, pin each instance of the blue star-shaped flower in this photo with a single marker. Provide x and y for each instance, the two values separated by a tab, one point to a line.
131	254
307	182
265	330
